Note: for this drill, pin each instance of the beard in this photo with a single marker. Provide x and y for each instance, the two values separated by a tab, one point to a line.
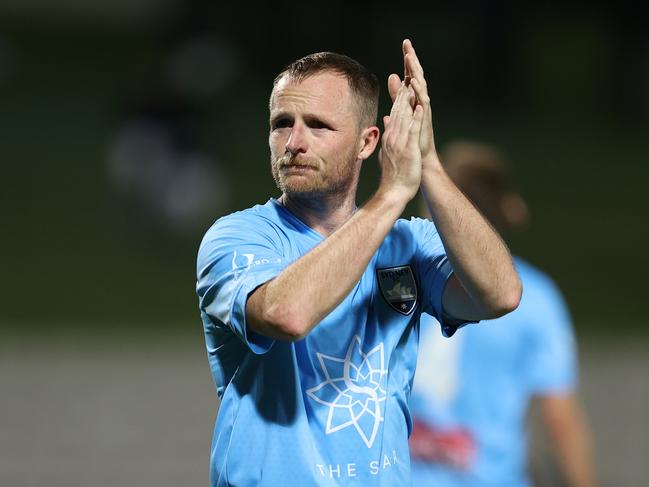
326	179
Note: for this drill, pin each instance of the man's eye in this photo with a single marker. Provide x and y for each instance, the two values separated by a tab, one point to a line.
317	124
281	123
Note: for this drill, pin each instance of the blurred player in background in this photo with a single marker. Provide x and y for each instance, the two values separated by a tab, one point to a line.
472	391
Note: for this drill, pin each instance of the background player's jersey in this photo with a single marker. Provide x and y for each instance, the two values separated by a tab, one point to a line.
330	409
472	391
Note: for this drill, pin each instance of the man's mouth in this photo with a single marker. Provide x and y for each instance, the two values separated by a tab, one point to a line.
297	167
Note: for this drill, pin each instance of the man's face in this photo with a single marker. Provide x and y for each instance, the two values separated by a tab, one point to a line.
314	136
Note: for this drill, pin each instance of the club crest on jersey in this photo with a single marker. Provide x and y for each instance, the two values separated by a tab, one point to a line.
398	288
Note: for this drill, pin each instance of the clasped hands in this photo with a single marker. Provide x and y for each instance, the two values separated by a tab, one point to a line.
407	144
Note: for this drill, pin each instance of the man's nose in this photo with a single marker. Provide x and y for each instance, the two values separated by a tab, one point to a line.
296	142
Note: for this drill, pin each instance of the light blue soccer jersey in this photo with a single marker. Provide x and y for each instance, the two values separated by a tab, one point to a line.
472	391
330	409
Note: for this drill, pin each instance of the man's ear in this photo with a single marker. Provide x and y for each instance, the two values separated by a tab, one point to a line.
368	141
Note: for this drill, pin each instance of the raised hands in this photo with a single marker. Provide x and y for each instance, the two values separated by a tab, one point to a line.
413	77
400	154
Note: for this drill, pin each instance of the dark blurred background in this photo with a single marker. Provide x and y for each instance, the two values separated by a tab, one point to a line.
127	127
112	113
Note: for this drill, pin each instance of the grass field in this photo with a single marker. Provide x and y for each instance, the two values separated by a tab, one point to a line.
92	411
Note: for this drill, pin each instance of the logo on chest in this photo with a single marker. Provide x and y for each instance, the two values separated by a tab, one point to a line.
398	287
353	390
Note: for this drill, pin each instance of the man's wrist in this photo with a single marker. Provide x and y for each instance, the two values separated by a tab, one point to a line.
436	186
390	200
431	162
432	173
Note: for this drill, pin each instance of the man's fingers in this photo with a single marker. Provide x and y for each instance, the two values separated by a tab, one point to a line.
394	83
407	73
412	97
398	122
393	119
415	66
398	101
406	46
422	119
415	125
421	92
401	114
412	61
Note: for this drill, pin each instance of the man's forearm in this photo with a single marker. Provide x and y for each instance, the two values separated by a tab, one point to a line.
324	276
479	257
564	419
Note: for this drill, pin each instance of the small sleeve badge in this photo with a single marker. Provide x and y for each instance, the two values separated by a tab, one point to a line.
398	288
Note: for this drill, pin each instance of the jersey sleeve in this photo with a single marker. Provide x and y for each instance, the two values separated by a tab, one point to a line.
553	356
434	270
237	256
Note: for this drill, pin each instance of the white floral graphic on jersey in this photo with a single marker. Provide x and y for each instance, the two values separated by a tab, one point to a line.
352	390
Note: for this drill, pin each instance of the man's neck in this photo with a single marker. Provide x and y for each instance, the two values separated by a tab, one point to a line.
325	214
